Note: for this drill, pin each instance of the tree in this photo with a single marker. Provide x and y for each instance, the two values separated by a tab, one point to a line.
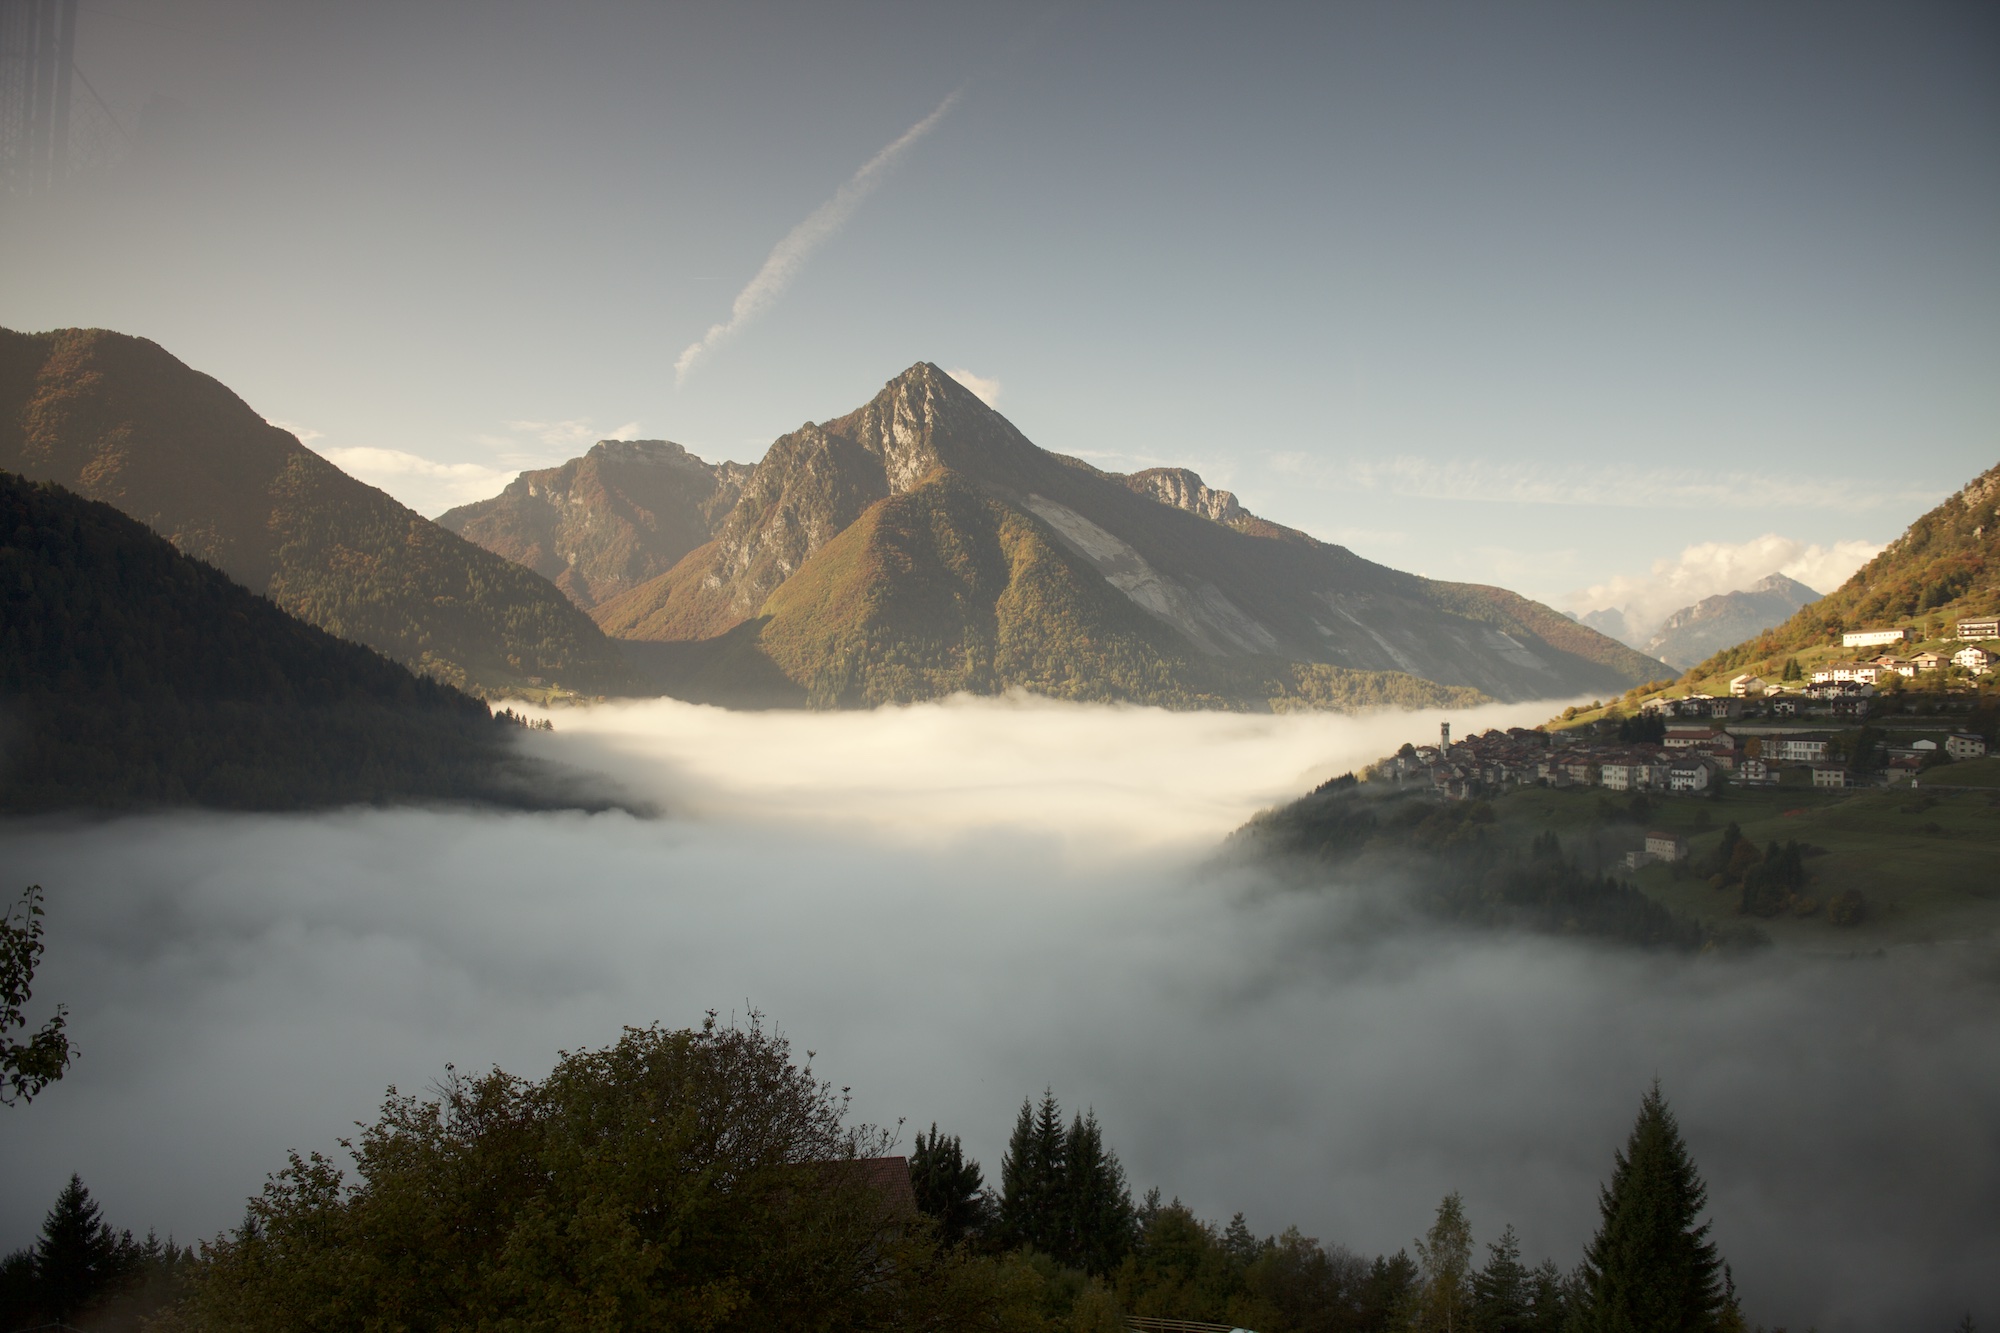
1031	1171
1096	1205
948	1186
677	1179
78	1257
1503	1293
26	1067
1651	1265
1443	1297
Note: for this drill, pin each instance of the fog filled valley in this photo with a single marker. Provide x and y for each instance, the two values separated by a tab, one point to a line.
959	904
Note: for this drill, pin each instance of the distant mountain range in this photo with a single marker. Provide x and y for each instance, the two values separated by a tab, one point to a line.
917	546
117	419
1695	632
921	545
604	523
1945	567
132	675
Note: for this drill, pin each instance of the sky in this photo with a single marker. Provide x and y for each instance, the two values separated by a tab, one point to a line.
959	904
1607	304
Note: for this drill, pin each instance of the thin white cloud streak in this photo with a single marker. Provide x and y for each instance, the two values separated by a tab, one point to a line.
984	387
1652	488
789	255
303	434
1707	569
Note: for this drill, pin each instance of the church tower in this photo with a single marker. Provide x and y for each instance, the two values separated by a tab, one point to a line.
1444	738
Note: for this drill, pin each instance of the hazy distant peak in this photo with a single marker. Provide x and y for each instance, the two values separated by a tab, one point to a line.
1790	587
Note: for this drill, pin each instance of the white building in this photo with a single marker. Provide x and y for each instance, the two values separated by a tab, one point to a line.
1795	749
1865	638
1829	775
1665	846
1964	745
1688	774
1747	686
1976	660
1977	629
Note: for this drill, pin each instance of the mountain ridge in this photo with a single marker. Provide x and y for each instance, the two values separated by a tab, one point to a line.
119	419
1714	623
1229	584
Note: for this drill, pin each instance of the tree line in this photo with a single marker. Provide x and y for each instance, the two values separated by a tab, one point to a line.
705	1179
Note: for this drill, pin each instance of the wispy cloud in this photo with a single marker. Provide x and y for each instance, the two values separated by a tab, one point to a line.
1652	488
985	388
574	435
422	483
790	254
1709	568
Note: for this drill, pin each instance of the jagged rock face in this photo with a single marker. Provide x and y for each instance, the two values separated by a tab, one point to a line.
1183	489
604	523
1225	588
1693	633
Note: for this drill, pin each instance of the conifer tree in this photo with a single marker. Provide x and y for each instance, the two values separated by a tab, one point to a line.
1097	1223
1651	1267
947	1186
78	1257
1032	1202
1502	1291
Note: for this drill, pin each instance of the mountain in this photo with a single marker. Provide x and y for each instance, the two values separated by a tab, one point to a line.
117	419
985	562
1945	566
1714	623
604	523
1610	622
134	675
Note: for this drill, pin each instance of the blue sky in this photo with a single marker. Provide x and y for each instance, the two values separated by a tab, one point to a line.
1649	299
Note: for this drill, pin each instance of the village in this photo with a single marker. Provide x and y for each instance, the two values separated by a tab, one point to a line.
1762	733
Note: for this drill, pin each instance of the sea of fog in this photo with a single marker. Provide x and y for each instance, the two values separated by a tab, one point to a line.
957	905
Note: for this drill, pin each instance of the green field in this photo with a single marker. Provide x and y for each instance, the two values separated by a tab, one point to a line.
1927	861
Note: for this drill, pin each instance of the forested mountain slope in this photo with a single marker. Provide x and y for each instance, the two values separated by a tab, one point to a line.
1945	567
117	419
1226	603
134	675
604	523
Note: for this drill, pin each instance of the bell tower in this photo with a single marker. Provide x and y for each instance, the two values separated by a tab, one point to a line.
1444	738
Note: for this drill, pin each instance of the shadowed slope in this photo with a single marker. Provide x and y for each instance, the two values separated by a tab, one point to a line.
133	675
118	419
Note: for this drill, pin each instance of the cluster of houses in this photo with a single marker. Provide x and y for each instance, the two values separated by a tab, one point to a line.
1972	658
1751	697
1686	760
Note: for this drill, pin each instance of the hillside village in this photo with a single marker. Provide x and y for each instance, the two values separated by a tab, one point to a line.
1882	721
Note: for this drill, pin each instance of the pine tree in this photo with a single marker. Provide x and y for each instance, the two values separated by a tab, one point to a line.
77	1256
1502	1291
947	1186
1032	1202
1442	1301
1241	1245
1098	1218
1651	1267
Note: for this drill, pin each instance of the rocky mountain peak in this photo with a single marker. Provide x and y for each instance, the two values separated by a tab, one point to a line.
1184	489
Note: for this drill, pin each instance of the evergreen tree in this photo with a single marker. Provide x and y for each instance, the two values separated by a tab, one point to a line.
1549	1299
1387	1290
78	1257
1031	1178
1503	1292
1651	1267
1443	1297
947	1186
1242	1246
1097	1223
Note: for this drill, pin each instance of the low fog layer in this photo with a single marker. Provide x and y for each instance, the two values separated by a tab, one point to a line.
958	904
